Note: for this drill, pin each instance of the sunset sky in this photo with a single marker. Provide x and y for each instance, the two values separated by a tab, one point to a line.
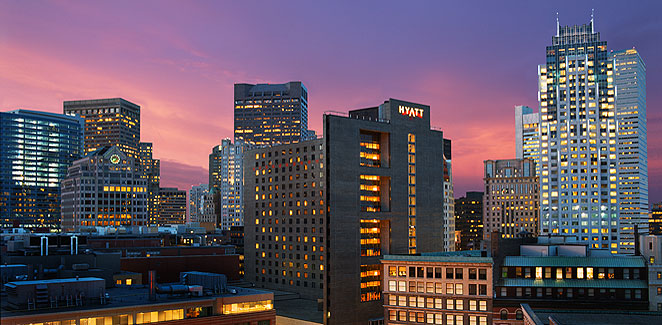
471	61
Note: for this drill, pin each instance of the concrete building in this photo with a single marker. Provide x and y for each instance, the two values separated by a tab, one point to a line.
655	219
385	195
172	206
449	204
266	114
438	289
151	171
226	182
201	206
510	203
108	122
527	135
37	148
651	249
579	164
104	189
469	220
629	75
285	232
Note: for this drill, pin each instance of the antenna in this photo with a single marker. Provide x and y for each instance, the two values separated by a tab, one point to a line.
592	23
557	24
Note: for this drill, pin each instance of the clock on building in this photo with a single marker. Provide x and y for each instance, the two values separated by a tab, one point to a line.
115	159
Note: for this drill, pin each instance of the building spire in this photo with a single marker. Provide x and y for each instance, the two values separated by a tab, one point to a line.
557	24
592	22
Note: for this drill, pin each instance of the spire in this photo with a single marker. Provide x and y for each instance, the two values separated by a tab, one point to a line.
592	23
557	24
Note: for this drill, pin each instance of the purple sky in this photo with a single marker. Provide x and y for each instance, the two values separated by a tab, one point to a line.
471	61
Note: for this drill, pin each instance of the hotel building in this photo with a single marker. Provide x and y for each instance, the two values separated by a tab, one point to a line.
37	148
285	231
385	195
437	289
579	165
527	135
108	122
226	182
104	189
630	83
510	204
266	114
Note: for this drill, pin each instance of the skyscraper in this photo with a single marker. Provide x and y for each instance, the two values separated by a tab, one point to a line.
449	200
527	134
469	220
172	206
510	204
104	189
150	169
385	195
226	182
630	83
267	114
578	154
108	122
201	206
36	148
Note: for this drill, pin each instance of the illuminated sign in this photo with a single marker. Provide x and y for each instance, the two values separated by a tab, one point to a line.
410	111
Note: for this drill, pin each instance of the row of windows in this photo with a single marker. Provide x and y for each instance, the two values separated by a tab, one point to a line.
435	318
436	272
437	303
437	287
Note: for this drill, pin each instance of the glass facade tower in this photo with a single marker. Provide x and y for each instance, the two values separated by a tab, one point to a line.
36	150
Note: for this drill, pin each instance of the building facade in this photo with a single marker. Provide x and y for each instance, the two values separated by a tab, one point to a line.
651	249
437	289
172	206
108	122
449	202
469	220
579	166
285	231
266	114
385	195
104	189
527	135
37	148
655	220
510	203
201	205
151	171
226	182
630	83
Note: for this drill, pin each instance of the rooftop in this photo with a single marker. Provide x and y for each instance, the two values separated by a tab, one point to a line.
440	257
575	283
574	261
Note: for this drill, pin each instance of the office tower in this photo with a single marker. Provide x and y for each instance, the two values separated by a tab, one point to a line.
285	217
266	114
201	205
527	135
226	182
385	195
469	220
36	148
150	169
104	189
578	154
655	219
108	122
172	206
510	203
630	83
438	289
449	200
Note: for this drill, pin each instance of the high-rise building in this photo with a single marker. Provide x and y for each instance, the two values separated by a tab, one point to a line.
226	182
201	205
655	219
172	206
510	203
449	200
469	220
104	189
527	134
630	82
286	218
150	169
36	150
579	165
384	195
108	122
266	114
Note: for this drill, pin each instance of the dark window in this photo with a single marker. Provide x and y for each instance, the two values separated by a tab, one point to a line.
420	272
519	315
429	272
472	289
449	273
472	274
458	273
504	314
482	274
482	289
412	272
437	273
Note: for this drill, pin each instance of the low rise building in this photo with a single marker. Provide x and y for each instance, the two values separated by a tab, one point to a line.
438	288
651	249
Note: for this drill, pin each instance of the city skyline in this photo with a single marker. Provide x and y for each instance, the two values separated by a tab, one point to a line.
471	78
